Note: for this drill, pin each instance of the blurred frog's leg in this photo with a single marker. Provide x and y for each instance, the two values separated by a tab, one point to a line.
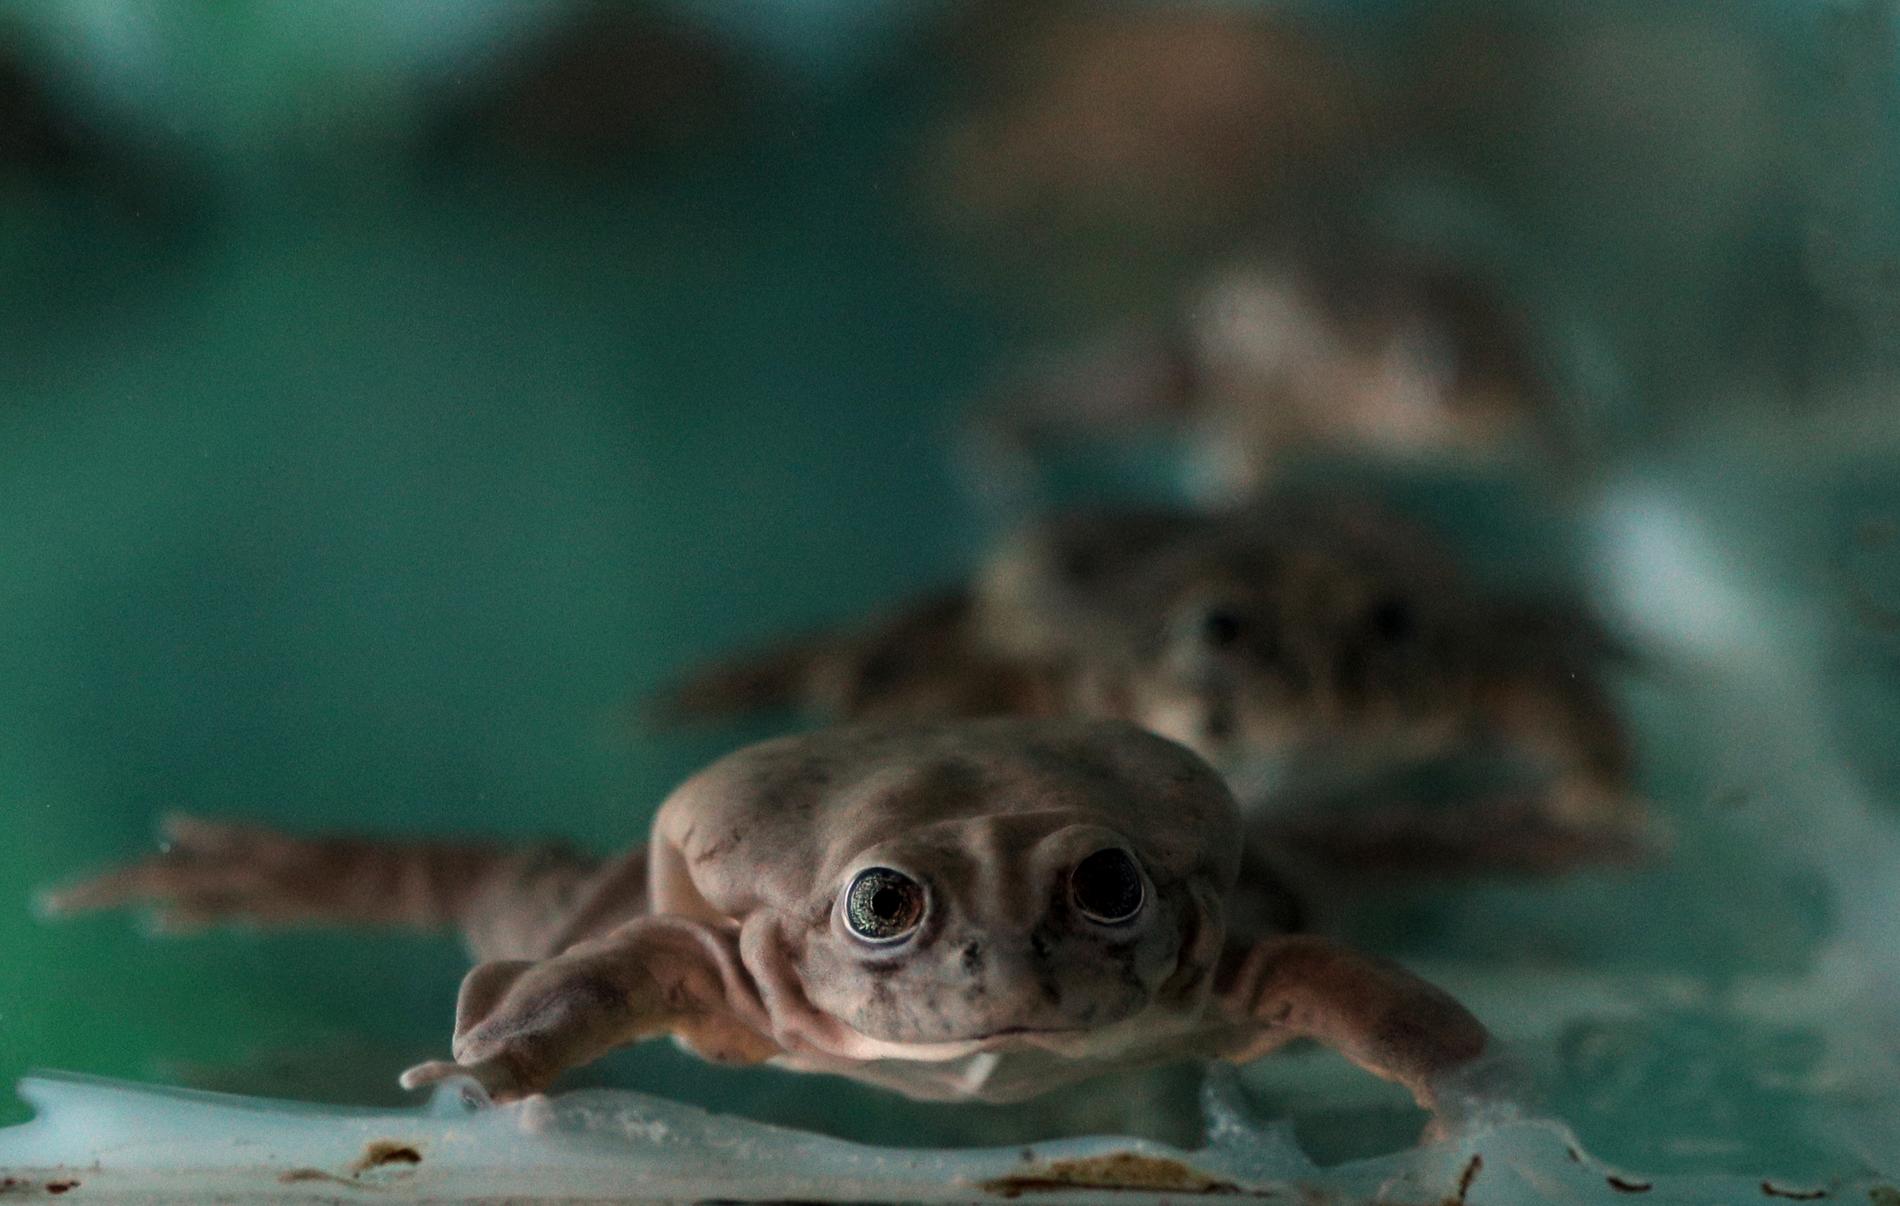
922	661
1405	819
503	899
1564	722
1375	1013
1517	833
775	678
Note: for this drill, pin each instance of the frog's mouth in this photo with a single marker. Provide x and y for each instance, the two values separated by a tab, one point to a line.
1029	1038
1059	1039
1025	1032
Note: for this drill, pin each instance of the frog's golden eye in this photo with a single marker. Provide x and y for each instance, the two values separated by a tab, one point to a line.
1106	887
883	905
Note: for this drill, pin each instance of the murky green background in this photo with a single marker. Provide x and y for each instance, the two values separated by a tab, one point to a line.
351	488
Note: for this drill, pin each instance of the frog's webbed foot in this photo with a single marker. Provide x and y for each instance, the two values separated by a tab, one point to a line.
1376	1014
499	1071
519	1024
208	872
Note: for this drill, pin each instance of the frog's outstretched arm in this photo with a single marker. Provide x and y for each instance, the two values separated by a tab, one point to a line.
520	1024
501	898
1376	1014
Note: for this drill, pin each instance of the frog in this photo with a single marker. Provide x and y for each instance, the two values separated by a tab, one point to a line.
958	911
1317	649
1274	357
1118	140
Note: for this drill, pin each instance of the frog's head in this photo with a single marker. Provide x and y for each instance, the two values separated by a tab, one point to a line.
1035	884
1252	652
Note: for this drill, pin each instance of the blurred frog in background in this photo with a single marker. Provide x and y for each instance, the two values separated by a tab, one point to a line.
1149	131
1279	242
86	189
1275	357
596	91
1320	652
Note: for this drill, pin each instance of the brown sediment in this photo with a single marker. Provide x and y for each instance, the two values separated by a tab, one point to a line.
1473	1167
381	1152
1117	1170
1770	1189
297	1176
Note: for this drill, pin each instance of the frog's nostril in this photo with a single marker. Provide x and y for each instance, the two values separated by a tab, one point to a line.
1106	886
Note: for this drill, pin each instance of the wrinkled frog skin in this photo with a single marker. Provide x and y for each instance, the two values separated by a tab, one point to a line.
983	910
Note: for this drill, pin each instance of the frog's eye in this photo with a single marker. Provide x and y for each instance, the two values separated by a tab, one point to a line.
1221	627
1081	565
1392	620
883	905
1106	887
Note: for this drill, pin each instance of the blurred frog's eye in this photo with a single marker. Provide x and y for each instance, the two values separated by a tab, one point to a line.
1221	627
1081	565
1106	887
883	905
1393	620
1218	626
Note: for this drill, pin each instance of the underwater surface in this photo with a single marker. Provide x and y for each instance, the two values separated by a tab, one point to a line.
347	482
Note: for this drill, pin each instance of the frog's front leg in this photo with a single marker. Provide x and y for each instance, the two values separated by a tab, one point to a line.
1375	1013
519	1024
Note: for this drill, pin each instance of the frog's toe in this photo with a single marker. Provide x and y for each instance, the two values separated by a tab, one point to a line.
233	842
496	1077
434	1072
185	832
132	883
183	892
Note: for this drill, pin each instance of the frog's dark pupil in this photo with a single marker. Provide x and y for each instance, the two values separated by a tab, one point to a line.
1080	566
1220	628
1392	620
1107	886
883	904
887	903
